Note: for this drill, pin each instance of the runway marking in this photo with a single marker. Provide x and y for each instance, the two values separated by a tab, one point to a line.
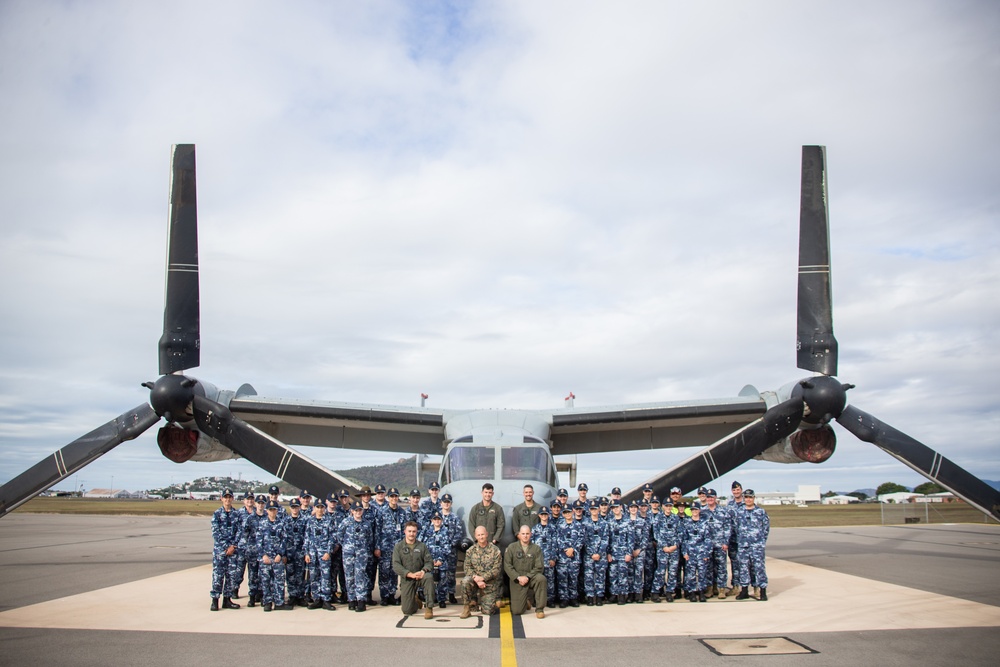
756	646
801	599
508	656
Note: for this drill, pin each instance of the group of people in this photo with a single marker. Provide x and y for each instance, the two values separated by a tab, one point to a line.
591	550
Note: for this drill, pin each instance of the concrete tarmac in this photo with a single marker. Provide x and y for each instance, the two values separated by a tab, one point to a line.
82	590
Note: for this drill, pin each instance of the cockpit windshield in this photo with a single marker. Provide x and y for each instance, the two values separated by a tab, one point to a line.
525	463
470	463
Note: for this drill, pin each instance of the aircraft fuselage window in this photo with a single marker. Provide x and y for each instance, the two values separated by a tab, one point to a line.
525	463
471	463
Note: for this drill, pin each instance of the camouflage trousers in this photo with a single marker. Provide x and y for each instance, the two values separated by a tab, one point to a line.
452	570
223	574
356	571
319	576
272	582
618	573
717	573
666	571
388	580
648	568
295	575
567	578
734	565
594	574
751	561
637	571
550	577
487	596
696	573
253	571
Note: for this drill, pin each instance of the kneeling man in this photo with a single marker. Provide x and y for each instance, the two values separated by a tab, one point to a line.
523	562
411	560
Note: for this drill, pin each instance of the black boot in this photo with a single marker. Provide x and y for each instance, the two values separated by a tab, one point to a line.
384	602
316	603
284	607
215	604
251	600
563	604
452	599
600	602
621	599
361	606
329	607
763	594
669	596
352	606
266	606
744	593
229	604
591	601
701	596
638	598
655	597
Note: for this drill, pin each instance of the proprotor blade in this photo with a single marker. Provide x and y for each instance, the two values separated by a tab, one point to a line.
264	451
816	345
727	454
923	459
180	345
74	456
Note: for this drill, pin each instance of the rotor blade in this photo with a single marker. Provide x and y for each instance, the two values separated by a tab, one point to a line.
727	454
264	451
180	345
816	345
923	459
74	456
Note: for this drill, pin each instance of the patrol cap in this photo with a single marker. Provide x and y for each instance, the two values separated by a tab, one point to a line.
603	501
555	503
434	485
304	494
655	500
695	506
567	509
356	505
668	503
579	505
273	491
415	493
615	503
273	505
582	487
737	484
344	493
380	488
616	491
331	496
749	492
248	494
633	504
436	517
675	489
562	492
393	492
227	492
446	498
647	487
295	502
712	494
319	503
544	510
261	499
643	503
702	490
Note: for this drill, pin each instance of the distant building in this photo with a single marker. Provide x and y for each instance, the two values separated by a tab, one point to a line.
899	497
840	500
807	494
943	497
108	493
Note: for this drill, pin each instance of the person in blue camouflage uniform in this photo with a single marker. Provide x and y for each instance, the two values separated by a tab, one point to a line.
649	561
668	553
388	531
271	540
338	576
274	496
735	505
622	543
718	517
250	527
241	548
430	505
439	542
356	538
319	544
579	512
456	529
411	512
696	549
569	540
369	514
596	542
636	568
226	523
295	563
752	528
543	534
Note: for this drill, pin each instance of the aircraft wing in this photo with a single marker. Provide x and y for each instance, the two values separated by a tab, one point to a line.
344	425
652	426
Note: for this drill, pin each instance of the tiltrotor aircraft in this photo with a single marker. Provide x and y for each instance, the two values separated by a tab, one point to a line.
509	448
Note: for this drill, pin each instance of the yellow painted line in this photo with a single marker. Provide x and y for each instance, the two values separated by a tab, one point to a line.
508	658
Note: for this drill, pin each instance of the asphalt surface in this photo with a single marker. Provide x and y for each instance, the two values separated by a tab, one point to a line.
134	590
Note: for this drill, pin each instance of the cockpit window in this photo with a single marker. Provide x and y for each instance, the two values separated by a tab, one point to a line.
525	463
470	463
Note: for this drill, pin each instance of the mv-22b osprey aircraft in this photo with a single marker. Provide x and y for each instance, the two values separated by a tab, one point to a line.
509	448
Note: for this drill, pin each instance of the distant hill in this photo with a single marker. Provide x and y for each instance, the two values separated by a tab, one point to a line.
995	484
402	474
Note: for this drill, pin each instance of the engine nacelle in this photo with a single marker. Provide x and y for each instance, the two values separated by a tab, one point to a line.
182	444
808	445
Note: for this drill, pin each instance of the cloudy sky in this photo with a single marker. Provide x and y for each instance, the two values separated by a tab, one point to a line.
497	203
